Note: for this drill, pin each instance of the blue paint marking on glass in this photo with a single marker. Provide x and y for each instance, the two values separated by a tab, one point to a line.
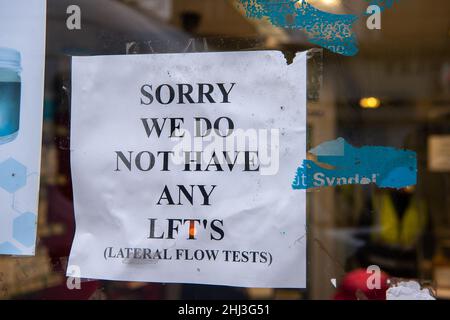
10	88
339	163
328	30
383	4
331	31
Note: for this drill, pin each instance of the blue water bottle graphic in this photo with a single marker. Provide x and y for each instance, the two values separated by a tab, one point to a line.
10	88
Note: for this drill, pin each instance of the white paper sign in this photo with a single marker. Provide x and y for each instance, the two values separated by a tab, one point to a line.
160	198
22	57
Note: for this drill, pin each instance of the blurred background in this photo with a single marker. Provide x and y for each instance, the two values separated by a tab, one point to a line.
394	92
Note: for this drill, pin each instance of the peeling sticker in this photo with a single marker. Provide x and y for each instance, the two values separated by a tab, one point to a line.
408	290
333	282
339	163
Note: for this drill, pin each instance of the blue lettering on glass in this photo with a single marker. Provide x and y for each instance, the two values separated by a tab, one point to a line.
339	163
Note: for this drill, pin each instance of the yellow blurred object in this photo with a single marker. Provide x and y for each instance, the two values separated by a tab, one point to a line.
323	2
330	2
404	232
370	103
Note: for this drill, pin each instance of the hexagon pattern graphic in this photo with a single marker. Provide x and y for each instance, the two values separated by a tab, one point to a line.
8	248
18	229
13	175
7	215
24	227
